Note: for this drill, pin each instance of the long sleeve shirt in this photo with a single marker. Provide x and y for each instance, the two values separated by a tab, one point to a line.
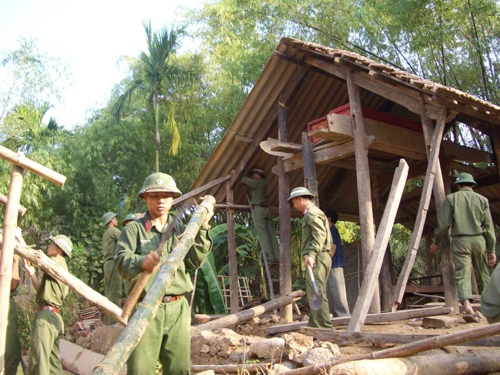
52	291
259	190
141	237
109	240
316	236
338	259
468	214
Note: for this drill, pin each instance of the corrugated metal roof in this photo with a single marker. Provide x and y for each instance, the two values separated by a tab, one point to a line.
307	79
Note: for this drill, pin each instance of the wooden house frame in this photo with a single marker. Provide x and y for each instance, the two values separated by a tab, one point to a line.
351	169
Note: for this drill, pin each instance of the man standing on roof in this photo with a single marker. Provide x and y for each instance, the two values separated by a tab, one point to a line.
113	283
473	237
261	216
44	355
316	249
336	282
167	336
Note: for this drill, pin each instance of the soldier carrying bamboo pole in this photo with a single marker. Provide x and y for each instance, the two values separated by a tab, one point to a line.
167	336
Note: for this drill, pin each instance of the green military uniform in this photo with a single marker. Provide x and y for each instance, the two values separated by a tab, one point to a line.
473	237
167	336
13	348
262	218
113	283
48	327
317	242
490	299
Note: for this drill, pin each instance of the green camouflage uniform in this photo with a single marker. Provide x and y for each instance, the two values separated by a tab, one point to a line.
112	279
490	299
317	242
167	337
48	327
262	218
473	237
13	347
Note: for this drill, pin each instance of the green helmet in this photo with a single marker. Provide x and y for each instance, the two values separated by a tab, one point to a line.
129	217
465	178
107	217
159	182
64	243
300	192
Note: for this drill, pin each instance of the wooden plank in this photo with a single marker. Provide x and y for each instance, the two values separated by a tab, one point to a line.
396	140
232	256
424	289
284	222
382	339
382	239
370	318
284	149
422	211
363	182
201	189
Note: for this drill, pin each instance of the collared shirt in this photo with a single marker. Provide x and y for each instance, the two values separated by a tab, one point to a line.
259	190
468	214
338	259
141	237
109	240
316	236
52	291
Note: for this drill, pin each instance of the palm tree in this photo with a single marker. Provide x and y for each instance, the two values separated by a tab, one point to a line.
157	75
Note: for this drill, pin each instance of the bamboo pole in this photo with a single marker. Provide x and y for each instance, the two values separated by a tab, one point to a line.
25	163
408	349
131	335
7	256
246	315
234	284
20	209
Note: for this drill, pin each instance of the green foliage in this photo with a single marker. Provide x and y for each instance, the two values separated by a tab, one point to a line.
399	245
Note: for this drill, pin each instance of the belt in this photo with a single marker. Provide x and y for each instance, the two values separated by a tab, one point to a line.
167	299
49	308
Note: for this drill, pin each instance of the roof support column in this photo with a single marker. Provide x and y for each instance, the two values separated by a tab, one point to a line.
231	247
310	180
363	182
284	214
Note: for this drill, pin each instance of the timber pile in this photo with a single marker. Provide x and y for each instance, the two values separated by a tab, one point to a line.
90	319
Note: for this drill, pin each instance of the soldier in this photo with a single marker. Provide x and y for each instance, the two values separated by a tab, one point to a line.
48	327
473	238
113	283
128	219
316	249
167	336
261	216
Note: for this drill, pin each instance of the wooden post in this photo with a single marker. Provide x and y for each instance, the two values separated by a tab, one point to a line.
9	233
234	284
310	180
284	212
372	272
423	207
363	182
439	190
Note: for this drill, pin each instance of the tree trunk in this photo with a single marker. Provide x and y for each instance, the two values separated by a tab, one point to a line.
243	316
133	332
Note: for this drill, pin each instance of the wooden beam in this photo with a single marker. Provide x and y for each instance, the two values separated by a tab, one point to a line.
201	189
20	209
310	180
232	256
363	181
396	140
372	272
283	149
284	215
382	339
370	318
422	211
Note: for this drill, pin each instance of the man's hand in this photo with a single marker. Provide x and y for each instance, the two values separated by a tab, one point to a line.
309	260
150	262
433	248
492	259
28	267
210	213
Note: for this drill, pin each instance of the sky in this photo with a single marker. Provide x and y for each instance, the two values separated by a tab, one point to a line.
90	36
